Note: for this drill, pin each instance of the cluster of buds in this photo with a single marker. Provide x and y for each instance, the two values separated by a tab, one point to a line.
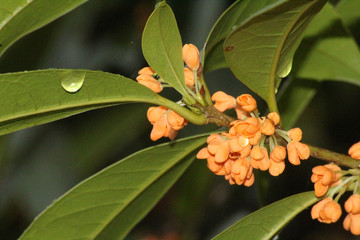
330	180
167	123
250	139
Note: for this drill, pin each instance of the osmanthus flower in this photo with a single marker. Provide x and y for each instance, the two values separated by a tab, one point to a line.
295	134
352	223
274	117
146	78
191	56
259	158
352	220
223	101
246	102
249	128
352	204
277	160
296	151
242	173
326	211
324	177
189	77
165	122
354	151
267	127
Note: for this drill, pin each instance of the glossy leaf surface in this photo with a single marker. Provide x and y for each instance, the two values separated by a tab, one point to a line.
108	204
37	97
328	52
260	54
162	47
267	221
20	17
349	11
237	13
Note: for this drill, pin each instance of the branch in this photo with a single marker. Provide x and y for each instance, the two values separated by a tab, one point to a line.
329	156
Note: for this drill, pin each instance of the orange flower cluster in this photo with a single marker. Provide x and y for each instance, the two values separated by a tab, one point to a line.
324	177
330	175
247	144
166	123
329	211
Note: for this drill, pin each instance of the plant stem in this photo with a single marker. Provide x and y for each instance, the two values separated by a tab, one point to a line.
207	95
334	157
214	116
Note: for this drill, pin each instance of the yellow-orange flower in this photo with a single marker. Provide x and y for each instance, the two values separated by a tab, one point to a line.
242	172
223	101
295	134
237	144
276	168
267	127
278	154
296	151
149	82
326	211
277	157
165	123
352	223
247	102
352	205
155	113
354	151
146	71
191	56
259	158
176	121
247	128
145	78
273	116
324	177
189	77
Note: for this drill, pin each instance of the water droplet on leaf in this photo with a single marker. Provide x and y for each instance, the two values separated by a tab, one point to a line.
72	81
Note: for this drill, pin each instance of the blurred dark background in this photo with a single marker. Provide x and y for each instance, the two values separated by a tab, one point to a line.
39	164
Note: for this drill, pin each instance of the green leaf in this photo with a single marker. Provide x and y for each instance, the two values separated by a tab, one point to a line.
260	51
267	221
37	97
237	13
328	52
162	48
294	99
350	14
20	17
110	203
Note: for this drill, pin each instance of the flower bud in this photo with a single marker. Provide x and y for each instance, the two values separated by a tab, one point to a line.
326	211
352	223
273	116
352	205
354	151
267	127
223	101
189	77
191	56
295	134
247	102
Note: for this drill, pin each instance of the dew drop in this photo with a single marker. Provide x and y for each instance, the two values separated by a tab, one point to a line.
72	81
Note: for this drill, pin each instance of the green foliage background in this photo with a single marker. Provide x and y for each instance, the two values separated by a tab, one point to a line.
39	164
